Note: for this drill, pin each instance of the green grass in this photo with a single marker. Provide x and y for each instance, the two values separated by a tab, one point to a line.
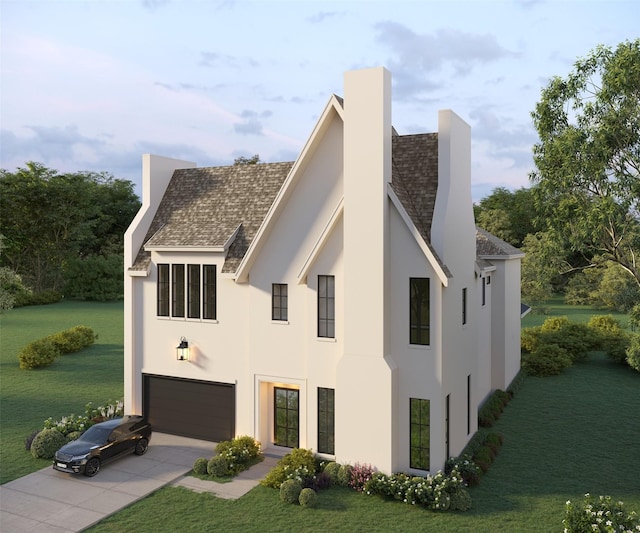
577	313
28	397
564	436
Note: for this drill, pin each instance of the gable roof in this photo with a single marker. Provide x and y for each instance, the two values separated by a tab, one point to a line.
489	246
213	209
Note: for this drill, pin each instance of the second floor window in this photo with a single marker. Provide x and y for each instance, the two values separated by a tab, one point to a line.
186	290
326	306
177	290
419	303
279	301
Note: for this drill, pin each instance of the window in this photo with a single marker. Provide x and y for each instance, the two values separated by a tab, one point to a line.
468	404
484	291
177	290
488	280
193	291
279	301
186	289
326	420
464	306
446	427
209	292
326	306
286	417
419	311
419	438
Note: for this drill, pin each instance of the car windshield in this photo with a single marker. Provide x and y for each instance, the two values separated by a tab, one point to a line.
96	435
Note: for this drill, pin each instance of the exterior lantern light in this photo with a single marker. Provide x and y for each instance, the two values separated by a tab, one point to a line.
182	350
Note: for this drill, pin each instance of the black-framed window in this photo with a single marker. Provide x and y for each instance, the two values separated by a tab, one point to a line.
488	280
279	301
420	433
177	290
326	306
163	290
209	298
193	291
446	427
287	416
326	420
464	306
419	304
484	291
468	404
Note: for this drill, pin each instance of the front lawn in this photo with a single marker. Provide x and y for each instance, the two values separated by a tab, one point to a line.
28	397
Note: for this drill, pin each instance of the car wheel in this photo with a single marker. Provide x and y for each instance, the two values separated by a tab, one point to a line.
92	467
141	447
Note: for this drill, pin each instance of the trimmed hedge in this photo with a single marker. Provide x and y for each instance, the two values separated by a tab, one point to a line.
43	352
308	497
290	490
46	443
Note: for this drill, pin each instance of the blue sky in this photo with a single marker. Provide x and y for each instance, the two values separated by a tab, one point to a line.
94	84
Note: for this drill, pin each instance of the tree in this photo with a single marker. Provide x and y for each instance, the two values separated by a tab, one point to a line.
588	158
542	262
508	215
242	160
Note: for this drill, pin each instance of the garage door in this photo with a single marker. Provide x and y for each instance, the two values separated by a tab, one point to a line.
196	409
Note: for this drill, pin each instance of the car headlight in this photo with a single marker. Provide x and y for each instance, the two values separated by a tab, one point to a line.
82	457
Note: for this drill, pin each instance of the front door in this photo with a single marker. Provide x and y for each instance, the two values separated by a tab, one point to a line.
287	416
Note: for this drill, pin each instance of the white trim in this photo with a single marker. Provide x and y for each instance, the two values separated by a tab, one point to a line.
426	250
322	239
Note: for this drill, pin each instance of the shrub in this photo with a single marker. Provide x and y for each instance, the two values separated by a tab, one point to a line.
494	442
218	466
318	482
577	339
613	339
73	339
460	500
601	514
633	352
112	409
332	469
493	408
239	452
24	298
344	475
38	353
360	474
290	490
547	360
29	439
484	458
46	443
74	435
200	466
308	497
69	424
634	317
298	464
468	469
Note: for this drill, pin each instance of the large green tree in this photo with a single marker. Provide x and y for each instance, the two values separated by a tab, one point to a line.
588	158
51	221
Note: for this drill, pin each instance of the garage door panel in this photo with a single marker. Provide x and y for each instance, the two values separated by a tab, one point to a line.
198	409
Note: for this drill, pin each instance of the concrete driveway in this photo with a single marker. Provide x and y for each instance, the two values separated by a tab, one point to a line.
51	501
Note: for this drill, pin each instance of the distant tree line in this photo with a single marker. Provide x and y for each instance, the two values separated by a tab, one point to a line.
64	232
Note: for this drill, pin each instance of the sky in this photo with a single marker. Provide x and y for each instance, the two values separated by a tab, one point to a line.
91	85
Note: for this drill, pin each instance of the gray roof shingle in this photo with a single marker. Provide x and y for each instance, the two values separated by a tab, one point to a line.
488	245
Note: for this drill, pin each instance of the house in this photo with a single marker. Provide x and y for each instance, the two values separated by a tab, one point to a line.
344	303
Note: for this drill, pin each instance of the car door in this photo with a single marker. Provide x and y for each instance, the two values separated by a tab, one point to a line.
117	443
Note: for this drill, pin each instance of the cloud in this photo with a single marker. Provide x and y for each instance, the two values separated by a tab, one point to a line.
324	15
418	60
251	123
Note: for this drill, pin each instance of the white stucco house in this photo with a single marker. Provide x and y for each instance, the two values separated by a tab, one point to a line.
344	302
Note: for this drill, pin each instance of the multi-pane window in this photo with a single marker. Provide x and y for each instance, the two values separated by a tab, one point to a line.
419	437
287	405
419	311
193	291
326	420
326	306
279	301
464	306
186	290
163	290
209	292
177	290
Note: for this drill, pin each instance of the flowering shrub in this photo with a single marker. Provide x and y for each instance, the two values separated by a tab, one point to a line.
360	474
469	470
601	515
78	424
433	492
299	464
239	453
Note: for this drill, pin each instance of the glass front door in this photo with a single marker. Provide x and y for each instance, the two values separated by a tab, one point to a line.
286	402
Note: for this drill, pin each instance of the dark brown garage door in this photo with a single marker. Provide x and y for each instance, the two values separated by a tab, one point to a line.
196	409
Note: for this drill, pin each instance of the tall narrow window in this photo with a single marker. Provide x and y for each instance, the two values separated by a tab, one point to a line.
484	291
419	311
464	306
193	291
163	290
326	306
279	301
286	417
209	292
446	427
419	437
177	290
468	404
326	420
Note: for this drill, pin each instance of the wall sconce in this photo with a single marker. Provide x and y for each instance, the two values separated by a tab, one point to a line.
182	350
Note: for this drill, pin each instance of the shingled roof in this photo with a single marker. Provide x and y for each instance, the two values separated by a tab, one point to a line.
490	246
